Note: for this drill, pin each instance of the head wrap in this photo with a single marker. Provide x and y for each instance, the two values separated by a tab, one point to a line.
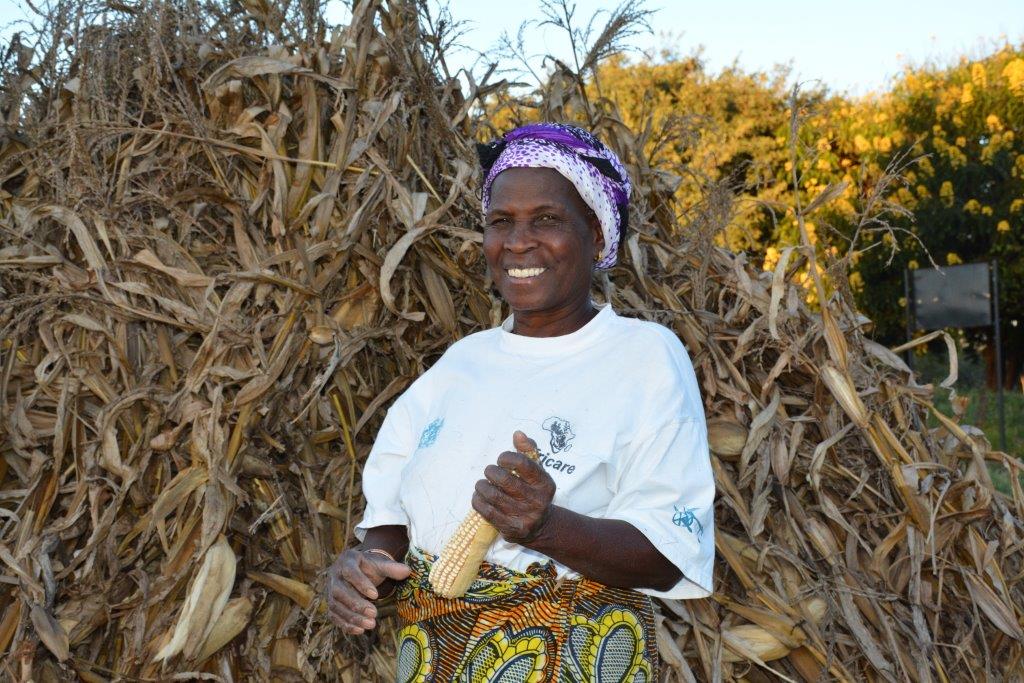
593	169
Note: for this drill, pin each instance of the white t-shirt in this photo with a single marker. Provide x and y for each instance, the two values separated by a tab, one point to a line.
617	416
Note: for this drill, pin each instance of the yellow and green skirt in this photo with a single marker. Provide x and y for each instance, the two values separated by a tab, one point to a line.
523	627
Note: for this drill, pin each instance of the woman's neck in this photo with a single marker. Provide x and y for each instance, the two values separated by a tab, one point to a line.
554	323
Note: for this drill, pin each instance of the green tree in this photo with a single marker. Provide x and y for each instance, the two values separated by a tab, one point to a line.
966	195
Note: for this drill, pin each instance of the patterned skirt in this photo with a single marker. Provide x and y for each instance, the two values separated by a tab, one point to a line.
519	627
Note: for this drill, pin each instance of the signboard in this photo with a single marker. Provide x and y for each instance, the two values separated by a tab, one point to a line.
955	296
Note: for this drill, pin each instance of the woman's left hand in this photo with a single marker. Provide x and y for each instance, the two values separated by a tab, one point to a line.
517	506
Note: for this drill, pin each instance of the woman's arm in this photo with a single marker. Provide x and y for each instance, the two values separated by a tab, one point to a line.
610	551
361	575
393	539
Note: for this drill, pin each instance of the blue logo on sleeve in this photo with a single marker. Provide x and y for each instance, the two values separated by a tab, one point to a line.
686	518
430	432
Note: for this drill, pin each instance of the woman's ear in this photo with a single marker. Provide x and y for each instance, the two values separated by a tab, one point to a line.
595	226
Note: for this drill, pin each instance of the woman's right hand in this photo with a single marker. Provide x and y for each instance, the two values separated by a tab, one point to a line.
352	583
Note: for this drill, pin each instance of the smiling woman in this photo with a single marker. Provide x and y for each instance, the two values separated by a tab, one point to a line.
616	506
540	241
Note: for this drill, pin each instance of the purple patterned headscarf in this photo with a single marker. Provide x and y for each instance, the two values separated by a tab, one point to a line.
593	169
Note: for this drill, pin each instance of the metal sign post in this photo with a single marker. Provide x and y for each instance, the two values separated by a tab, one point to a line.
999	355
958	296
908	355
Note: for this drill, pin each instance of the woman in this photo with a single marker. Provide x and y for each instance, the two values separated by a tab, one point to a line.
617	508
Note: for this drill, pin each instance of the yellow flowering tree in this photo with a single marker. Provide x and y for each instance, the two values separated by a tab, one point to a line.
725	128
941	149
965	195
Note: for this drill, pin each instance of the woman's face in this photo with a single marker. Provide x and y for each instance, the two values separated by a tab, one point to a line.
540	239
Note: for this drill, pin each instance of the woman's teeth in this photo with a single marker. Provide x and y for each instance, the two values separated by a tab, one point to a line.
525	272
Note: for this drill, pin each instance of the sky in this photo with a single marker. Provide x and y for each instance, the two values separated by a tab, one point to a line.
853	47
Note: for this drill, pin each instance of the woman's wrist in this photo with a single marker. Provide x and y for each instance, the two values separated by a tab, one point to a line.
385	542
381	552
387	587
548	532
393	540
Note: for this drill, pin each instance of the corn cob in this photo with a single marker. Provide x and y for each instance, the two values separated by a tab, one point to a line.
726	438
205	602
460	560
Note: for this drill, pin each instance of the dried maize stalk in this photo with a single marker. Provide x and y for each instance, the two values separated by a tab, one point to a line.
460	560
841	386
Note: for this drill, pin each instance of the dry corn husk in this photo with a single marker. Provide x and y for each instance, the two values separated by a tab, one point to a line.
842	388
298	591
748	641
206	599
229	240
232	620
51	633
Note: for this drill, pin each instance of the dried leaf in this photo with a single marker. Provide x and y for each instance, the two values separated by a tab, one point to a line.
50	632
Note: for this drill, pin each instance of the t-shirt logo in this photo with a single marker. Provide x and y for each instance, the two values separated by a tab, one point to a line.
561	433
686	518
430	432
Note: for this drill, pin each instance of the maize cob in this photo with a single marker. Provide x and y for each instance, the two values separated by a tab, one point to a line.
726	438
206	599
460	560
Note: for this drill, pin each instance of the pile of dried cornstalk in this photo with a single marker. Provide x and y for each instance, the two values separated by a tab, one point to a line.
227	241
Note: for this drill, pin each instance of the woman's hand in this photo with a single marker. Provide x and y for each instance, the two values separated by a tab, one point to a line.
517	506
352	583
